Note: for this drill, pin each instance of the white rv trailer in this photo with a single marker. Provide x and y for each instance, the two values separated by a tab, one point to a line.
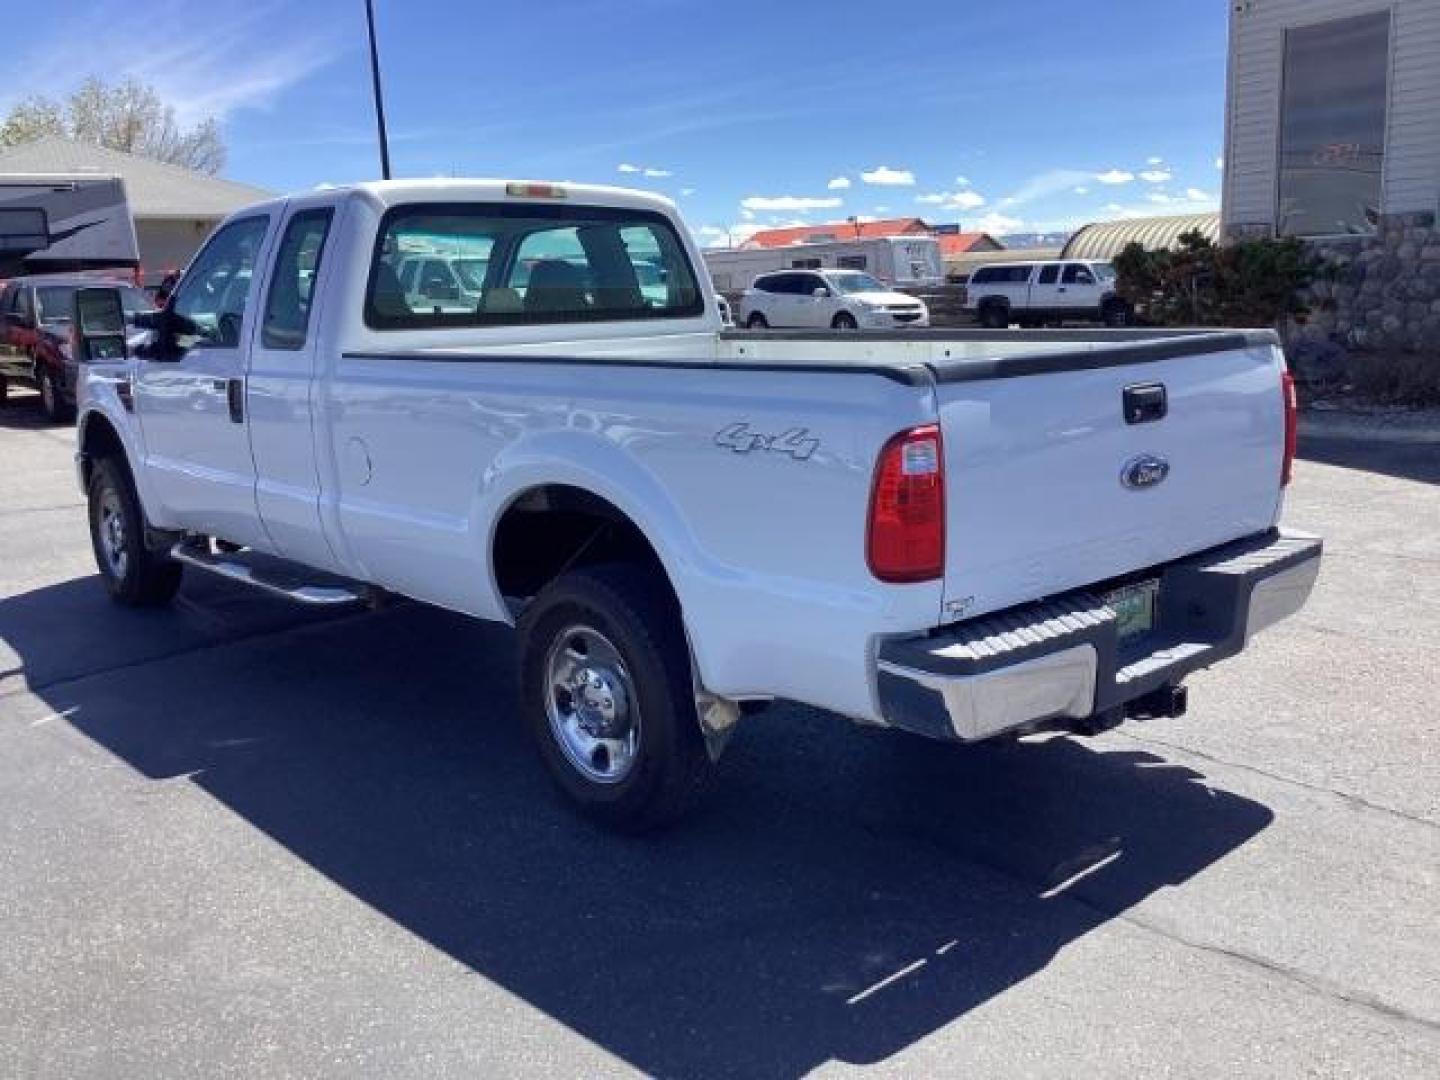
895	260
64	223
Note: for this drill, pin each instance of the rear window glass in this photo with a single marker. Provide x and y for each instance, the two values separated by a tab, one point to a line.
476	264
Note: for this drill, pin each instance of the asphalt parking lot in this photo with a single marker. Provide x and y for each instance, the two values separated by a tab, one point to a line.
238	839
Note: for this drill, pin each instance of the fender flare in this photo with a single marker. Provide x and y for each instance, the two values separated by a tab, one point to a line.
593	463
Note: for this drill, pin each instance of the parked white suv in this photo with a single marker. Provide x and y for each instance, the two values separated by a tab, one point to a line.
1034	293
828	299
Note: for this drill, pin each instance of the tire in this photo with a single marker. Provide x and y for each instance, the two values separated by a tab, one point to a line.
756	321
4	390
52	398
1116	313
844	321
133	575
995	316
618	624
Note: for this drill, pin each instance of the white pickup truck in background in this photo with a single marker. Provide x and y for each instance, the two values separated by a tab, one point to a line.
947	533
1045	292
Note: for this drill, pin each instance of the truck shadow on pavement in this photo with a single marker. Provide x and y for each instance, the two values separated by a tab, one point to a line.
846	894
1412	461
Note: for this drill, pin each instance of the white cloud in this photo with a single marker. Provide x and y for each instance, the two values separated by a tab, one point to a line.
1115	176
1219	163
788	202
626	167
1155	161
963	181
1081	190
748	215
1196	195
878	210
997	224
839	183
657	173
1155	176
722	236
885	175
953	200
1158	197
687	191
1114	208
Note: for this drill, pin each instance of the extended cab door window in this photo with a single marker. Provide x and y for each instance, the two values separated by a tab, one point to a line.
292	285
212	297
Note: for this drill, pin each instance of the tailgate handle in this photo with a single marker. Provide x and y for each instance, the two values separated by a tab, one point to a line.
1144	403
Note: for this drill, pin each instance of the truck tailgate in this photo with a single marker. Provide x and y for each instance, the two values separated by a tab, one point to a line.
1051	486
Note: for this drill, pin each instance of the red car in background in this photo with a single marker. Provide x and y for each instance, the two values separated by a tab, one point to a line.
36	347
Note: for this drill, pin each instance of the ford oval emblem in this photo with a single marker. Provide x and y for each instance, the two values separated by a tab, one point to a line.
1144	471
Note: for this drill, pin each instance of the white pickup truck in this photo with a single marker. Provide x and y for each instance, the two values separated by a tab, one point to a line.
940	532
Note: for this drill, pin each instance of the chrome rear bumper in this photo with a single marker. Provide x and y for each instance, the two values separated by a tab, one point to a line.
1062	659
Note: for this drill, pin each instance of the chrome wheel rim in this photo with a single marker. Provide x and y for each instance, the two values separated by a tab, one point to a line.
110	530
591	705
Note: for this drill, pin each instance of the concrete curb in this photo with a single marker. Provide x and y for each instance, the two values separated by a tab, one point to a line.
1342	428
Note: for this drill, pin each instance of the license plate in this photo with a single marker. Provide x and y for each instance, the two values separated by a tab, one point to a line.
1134	607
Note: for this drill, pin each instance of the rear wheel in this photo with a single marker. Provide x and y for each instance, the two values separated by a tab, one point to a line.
4	390
1115	313
608	698
133	574
756	321
844	321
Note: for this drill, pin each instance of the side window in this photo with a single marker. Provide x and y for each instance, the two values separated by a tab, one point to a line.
805	264
810	282
786	284
212	295
1020	275
983	276
1048	274
1075	274
292	285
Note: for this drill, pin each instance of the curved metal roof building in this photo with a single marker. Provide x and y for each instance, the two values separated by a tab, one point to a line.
1106	239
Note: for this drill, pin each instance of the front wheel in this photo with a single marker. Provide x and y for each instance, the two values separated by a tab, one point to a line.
607	695
133	574
995	317
844	321
756	321
52	399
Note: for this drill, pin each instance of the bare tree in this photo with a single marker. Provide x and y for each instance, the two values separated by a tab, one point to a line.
127	116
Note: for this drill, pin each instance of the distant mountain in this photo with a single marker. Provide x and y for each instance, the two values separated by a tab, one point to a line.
1034	240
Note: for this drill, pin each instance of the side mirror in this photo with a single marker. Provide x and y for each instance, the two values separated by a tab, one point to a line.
820	293
99	325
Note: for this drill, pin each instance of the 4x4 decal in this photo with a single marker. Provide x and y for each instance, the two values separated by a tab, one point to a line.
797	442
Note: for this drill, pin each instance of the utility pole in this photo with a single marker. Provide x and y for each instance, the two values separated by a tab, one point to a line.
379	100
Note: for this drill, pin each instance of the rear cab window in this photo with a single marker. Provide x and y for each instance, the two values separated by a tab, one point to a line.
484	264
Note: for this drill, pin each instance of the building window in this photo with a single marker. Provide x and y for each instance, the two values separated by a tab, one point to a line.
1332	126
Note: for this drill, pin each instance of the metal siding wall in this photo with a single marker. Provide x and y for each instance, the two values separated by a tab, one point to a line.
1412	163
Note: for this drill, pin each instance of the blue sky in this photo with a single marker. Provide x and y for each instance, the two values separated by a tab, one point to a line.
1027	115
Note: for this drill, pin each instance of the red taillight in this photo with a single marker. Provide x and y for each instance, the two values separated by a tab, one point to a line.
1287	388
905	538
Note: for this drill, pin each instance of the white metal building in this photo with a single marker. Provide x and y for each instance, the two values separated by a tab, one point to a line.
1333	115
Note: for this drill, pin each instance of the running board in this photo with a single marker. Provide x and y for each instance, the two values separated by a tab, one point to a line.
279	576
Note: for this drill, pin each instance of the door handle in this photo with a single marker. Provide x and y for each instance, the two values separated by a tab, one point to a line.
235	397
